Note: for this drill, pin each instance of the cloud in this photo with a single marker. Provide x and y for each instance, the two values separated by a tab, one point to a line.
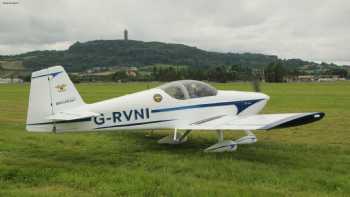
312	30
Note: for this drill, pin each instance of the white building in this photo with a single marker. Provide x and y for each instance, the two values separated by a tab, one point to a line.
9	80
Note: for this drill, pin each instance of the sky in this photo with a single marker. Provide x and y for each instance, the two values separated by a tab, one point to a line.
310	30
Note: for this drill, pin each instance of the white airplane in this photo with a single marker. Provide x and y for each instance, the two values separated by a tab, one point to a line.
180	106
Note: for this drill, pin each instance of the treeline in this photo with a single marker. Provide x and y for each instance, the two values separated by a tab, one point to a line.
171	73
217	74
274	72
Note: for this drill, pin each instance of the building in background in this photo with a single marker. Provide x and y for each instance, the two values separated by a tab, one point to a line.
10	80
131	72
306	78
320	78
126	34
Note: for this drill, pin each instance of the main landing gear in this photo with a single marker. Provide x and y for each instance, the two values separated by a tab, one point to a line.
229	145
178	137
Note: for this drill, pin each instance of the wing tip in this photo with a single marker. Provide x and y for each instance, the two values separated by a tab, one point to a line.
301	120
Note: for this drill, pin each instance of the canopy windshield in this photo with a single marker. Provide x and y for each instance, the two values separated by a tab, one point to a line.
187	89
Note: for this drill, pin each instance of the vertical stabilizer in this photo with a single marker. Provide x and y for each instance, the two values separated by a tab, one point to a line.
51	91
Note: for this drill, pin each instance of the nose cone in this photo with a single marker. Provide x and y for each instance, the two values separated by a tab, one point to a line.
253	103
262	96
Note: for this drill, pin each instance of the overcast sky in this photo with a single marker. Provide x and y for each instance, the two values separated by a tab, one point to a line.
317	30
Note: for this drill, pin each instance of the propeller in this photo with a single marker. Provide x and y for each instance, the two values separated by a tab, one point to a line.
256	77
256	85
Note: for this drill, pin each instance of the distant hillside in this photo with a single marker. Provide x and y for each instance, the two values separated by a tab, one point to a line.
108	53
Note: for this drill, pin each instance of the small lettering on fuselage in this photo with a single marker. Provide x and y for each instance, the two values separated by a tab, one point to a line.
67	100
123	116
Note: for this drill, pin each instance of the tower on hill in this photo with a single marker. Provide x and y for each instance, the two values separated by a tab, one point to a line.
125	34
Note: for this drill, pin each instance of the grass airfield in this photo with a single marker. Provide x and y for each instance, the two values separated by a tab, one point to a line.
311	160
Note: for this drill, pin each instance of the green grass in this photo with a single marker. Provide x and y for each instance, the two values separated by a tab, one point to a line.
312	160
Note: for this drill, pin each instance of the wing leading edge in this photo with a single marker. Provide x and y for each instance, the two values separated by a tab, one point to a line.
256	122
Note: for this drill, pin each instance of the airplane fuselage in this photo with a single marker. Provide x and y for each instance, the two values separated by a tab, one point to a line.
143	110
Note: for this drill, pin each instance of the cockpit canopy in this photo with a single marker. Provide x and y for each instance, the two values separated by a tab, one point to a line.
186	89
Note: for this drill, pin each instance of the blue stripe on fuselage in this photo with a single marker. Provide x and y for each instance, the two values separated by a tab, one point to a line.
135	124
241	106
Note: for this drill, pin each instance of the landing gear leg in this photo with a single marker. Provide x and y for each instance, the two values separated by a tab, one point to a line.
176	138
149	133
184	136
220	135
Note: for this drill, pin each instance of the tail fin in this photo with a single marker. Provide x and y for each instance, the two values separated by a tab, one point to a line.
51	91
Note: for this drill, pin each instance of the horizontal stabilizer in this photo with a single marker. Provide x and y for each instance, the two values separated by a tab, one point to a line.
62	116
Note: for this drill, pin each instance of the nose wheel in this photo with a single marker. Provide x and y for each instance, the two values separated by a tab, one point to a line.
230	145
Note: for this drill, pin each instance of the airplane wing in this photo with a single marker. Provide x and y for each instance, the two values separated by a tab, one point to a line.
72	115
255	122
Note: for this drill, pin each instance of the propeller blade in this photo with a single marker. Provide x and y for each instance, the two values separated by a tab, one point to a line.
256	81
256	85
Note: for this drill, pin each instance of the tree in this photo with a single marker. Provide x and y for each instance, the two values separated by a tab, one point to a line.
218	74
337	71
275	72
120	75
